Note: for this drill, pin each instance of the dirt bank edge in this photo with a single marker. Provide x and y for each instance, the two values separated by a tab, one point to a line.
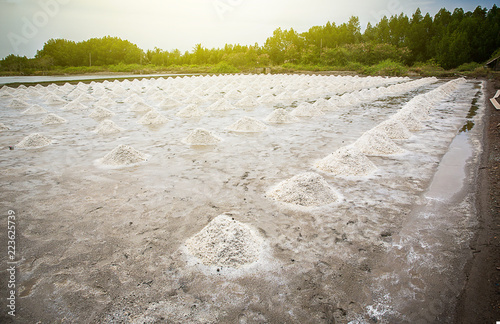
479	302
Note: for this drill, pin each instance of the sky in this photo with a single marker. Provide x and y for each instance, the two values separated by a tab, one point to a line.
25	25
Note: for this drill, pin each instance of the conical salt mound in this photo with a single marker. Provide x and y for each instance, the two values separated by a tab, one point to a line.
101	112
153	117
246	102
108	127
55	100
190	111
105	102
140	107
407	118
3	127
221	105
33	141
306	110
53	119
280	116
225	242
201	137
417	109
394	129
248	125
266	98
347	161
74	105
306	189
35	110
123	155
134	98
193	99
168	103
323	105
85	97
376	142
18	103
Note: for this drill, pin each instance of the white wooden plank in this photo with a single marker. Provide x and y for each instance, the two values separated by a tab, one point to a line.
495	103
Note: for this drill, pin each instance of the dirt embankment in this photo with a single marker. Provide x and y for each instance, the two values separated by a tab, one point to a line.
480	301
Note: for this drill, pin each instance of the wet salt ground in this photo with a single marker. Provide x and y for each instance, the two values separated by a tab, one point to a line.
107	243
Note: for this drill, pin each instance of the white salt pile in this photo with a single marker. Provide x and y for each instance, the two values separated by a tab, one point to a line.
3	127
306	109
123	155
190	111
74	105
168	103
248	125
53	119
246	102
140	107
33	141
100	112
201	137
323	105
18	103
153	117
35	110
107	127
408	119
280	116
225	242
394	129
134	98
266	98
55	100
306	189
376	142
193	99
348	161
221	105
85	97
418	108
233	94
105	102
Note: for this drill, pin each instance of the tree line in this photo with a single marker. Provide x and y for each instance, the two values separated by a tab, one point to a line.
448	39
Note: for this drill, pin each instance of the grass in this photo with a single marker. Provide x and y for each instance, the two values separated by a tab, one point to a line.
384	68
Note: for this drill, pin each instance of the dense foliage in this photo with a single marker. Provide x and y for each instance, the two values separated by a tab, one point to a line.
448	40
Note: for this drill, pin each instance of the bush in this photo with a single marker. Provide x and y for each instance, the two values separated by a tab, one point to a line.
387	67
121	67
468	67
480	72
303	67
81	69
224	67
355	66
429	68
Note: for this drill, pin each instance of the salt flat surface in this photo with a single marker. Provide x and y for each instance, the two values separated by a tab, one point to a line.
109	244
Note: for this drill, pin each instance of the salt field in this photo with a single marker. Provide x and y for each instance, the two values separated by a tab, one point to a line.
242	198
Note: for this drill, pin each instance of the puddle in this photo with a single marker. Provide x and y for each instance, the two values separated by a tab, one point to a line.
467	127
449	178
469	124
